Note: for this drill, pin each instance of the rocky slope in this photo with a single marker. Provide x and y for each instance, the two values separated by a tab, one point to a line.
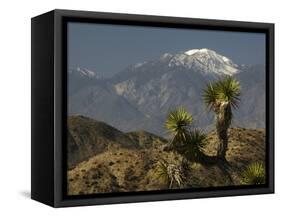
88	137
128	161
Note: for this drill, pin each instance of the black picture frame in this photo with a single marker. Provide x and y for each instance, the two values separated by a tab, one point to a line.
49	94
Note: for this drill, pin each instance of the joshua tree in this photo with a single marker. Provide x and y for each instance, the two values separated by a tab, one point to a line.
177	123
186	141
221	96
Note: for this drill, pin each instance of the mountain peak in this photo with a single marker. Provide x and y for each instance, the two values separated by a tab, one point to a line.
193	51
208	53
206	61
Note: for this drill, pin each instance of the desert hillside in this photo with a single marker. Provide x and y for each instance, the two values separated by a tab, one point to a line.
88	137
107	160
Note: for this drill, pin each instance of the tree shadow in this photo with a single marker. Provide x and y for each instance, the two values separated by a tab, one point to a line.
225	168
222	164
207	160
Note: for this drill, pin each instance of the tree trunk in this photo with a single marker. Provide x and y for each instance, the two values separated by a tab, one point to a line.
223	142
223	122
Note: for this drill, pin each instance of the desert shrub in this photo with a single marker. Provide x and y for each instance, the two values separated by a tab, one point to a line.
171	174
129	173
195	144
186	141
254	174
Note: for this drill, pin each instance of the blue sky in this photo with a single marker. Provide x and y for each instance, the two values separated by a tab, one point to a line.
108	49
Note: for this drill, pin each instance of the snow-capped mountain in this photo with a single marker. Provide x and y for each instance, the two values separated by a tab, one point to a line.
83	72
140	96
79	78
205	61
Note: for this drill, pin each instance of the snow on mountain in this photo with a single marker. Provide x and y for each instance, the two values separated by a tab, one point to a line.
83	72
140	96
205	61
166	56
191	52
139	64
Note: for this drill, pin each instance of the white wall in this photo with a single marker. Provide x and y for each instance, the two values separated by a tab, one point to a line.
15	106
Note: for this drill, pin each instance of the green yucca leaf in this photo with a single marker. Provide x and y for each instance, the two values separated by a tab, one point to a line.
161	171
177	123
196	142
178	120
210	95
229	91
254	174
196	138
225	90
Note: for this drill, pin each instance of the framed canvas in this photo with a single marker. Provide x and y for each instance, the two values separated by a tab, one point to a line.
134	108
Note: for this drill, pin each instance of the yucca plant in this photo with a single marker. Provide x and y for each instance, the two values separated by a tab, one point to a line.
254	174
177	123
221	96
196	141
170	173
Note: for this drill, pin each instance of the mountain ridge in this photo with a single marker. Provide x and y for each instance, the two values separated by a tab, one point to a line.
140	96
88	137
205	61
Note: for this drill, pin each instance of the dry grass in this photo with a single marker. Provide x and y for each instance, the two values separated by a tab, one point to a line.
120	169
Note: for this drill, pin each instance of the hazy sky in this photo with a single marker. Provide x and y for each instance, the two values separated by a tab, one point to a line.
108	49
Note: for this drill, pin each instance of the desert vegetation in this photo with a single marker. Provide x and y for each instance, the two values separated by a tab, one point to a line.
222	96
254	174
104	159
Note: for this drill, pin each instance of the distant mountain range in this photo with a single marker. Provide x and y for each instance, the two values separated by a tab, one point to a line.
140	96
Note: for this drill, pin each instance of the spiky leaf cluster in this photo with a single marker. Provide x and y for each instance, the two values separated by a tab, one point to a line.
226	90
254	174
196	141
170	173
178	121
